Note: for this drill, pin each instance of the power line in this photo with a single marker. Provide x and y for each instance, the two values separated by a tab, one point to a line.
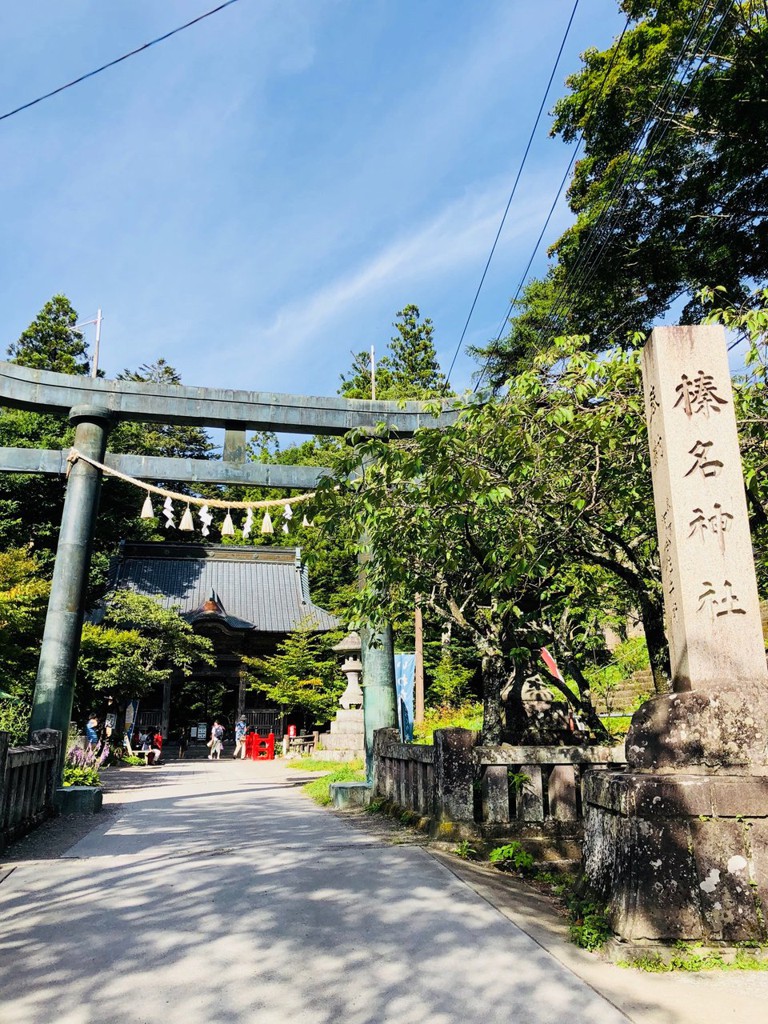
611	215
524	275
512	193
557	196
118	60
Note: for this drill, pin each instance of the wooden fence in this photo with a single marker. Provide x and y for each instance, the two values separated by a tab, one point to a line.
28	779
456	780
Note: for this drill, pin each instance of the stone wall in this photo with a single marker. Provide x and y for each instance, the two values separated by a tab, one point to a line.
457	786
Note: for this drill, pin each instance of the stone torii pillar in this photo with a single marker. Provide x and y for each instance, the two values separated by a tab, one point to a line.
55	685
93	402
679	842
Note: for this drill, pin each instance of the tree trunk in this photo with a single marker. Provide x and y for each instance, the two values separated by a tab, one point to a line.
494	677
652	615
585	705
515	717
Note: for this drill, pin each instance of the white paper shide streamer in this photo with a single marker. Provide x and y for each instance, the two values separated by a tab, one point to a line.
168	513
248	524
206	519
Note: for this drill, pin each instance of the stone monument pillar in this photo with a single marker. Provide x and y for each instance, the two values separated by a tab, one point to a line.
679	842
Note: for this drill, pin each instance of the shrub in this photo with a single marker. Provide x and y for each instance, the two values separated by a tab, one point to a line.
14	719
464	850
81	767
589	928
132	760
78	776
512	857
587	912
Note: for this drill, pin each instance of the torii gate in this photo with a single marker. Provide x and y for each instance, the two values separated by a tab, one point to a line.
94	406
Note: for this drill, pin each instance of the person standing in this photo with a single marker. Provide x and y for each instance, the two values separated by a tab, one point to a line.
217	741
92	731
240	727
183	742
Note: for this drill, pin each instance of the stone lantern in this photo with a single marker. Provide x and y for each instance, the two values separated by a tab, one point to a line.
346	738
349	650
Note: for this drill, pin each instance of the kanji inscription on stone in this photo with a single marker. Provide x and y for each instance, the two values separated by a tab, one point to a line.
708	573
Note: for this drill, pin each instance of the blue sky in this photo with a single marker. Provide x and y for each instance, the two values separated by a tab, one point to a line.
258	196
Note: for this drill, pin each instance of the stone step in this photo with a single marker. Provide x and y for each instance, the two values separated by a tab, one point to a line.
339	755
331	742
347	729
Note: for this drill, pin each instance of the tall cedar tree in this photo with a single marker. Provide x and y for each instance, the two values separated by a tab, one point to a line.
410	370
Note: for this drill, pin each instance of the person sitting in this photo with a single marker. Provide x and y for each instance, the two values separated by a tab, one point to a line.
149	747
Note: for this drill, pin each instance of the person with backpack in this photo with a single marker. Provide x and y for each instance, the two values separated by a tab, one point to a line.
217	741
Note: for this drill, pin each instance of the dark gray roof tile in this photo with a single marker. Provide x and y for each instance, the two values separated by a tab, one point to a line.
261	588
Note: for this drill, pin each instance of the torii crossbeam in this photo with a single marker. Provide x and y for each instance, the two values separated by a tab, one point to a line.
94	406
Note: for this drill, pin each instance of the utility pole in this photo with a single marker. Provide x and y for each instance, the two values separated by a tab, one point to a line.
85	323
95	367
373	374
418	632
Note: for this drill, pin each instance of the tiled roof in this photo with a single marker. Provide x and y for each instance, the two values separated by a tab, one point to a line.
261	588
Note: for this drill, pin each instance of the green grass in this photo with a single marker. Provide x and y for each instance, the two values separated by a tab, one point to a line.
617	727
686	959
467	716
335	771
319	789
315	764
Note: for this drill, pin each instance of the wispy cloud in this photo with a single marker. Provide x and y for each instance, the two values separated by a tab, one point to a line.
457	238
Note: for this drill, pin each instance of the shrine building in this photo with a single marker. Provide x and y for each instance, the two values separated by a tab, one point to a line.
245	600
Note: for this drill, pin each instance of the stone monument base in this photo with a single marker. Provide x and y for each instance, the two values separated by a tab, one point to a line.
679	857
346	739
348	795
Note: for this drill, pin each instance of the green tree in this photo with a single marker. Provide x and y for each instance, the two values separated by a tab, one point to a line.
748	321
23	598
138	646
30	506
176	442
51	341
671	193
302	676
409	370
527	523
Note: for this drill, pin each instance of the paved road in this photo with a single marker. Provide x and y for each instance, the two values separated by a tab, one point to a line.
219	893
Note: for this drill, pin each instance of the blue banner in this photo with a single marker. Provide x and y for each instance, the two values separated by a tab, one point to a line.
405	677
131	714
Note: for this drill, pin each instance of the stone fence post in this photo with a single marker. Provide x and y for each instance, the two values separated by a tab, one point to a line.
454	775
